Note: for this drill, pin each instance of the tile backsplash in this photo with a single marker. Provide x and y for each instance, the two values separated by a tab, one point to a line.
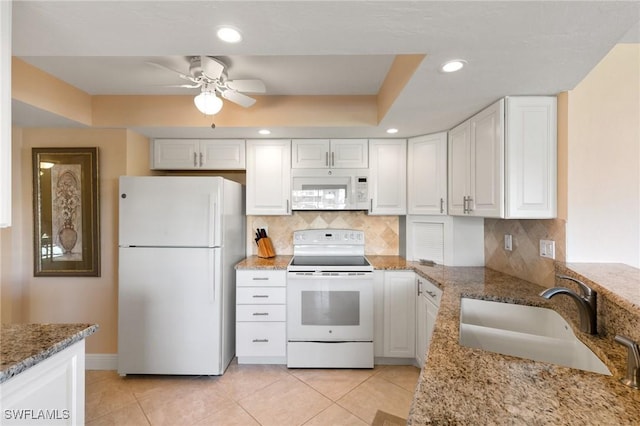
381	232
382	237
524	260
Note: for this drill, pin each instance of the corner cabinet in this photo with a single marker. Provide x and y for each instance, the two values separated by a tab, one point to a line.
502	161
330	153
198	154
268	177
427	174
388	176
427	305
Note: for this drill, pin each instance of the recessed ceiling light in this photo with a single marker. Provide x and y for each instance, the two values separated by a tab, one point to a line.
453	66
264	131
229	34
392	131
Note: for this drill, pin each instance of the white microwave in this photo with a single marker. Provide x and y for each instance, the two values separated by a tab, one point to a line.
329	189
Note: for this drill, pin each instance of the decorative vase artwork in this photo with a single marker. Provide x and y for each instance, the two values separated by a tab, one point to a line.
66	207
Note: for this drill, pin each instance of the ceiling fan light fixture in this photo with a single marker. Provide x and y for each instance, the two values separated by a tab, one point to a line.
208	103
229	34
453	65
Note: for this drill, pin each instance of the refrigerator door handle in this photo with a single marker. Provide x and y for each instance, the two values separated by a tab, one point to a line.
212	221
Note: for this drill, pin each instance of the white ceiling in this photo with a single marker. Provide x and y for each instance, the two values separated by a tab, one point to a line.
324	47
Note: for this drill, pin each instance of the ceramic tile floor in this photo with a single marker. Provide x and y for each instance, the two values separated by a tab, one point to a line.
250	395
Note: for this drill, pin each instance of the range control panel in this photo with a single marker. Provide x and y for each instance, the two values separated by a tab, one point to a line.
328	236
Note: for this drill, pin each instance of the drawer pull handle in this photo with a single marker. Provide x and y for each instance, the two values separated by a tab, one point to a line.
260	278
264	314
260	296
260	340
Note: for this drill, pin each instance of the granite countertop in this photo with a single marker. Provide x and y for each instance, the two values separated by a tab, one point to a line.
25	345
460	385
255	262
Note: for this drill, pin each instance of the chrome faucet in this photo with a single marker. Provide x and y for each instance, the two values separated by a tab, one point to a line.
587	303
632	377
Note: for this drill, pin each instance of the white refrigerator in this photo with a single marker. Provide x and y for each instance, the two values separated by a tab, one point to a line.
179	239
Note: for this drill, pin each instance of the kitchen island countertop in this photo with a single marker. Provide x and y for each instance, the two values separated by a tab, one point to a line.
25	345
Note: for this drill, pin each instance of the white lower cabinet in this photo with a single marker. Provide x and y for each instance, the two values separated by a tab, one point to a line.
399	314
50	392
427	304
405	309
261	332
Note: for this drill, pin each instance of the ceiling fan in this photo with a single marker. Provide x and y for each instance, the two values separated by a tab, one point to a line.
210	75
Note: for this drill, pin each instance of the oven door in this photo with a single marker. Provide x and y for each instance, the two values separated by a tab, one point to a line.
330	307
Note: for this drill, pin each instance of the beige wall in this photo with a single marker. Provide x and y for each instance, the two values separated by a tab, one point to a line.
604	161
70	299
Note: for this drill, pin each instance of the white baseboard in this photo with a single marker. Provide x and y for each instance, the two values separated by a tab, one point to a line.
101	362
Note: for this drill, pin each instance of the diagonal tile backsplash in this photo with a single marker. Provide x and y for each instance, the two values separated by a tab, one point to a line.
381	232
524	260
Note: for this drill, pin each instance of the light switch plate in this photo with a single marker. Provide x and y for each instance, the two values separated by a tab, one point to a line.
508	242
548	249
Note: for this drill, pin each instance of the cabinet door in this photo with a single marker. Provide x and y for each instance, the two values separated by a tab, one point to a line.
378	313
427	174
459	167
349	153
268	177
422	321
399	314
175	154
310	153
388	176
487	162
531	163
222	154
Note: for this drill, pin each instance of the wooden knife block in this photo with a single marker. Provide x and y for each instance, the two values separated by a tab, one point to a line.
265	248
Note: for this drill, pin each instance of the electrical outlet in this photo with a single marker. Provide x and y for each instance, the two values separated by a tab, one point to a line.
508	242
548	249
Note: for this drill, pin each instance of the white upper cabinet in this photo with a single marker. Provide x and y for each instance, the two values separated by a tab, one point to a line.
388	176
487	162
330	153
427	174
531	157
502	161
268	177
198	154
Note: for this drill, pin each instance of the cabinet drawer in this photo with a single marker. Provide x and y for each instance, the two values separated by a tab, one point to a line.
261	313
260	295
431	292
261	339
256	278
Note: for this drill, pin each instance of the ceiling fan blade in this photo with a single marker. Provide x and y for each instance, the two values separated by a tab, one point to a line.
211	67
238	98
250	86
180	74
186	86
